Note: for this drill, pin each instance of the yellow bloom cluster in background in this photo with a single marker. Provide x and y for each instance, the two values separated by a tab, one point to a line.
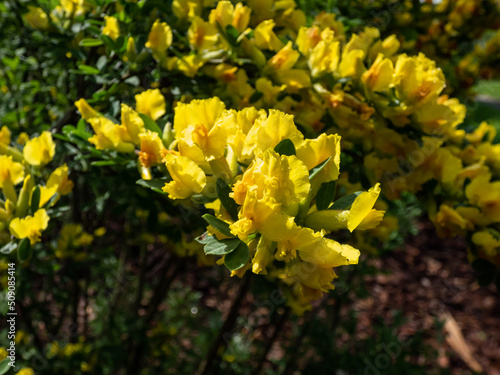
28	189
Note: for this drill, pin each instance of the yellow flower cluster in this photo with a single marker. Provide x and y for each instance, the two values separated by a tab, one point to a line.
389	108
262	178
27	190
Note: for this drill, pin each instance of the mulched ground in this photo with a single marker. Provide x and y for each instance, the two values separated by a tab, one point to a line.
431	277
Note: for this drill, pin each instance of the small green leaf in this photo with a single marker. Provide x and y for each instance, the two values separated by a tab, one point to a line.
87	69
255	96
35	199
89	42
4	366
221	247
24	250
150	124
285	147
218	225
238	257
103	163
232	34
325	195
229	204
205	238
155	185
345	203
9	248
315	170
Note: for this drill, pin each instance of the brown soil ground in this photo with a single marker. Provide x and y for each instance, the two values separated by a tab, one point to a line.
431	278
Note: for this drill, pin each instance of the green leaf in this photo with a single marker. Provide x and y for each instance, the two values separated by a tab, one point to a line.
103	163
232	34
285	147
24	250
345	203
315	170
4	366
221	247
218	225
325	195
35	199
89	42
238	257
150	124
229	204
9	248
155	185
205	238
87	69
255	96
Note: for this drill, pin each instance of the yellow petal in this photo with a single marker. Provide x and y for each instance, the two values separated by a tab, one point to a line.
40	150
362	206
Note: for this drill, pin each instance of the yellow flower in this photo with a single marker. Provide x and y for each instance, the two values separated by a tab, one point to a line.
110	136
189	8
58	182
264	255
10	171
486	195
159	39
205	112
133	123
152	149
25	371
151	103
222	14
266	133
202	35
283	178
86	110
40	150
351	64
189	65
60	179
315	151
187	177
379	76
241	17
324	57
112	27
36	18
22	138
449	222
489	243
265	38
387	47
4	136
328	253
417	79
30	227
285	58
294	79
311	276
483	132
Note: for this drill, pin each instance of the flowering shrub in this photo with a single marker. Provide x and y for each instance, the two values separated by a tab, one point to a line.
271	137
